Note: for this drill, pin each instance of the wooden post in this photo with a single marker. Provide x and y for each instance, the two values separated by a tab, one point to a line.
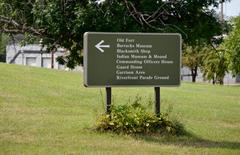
157	101
108	99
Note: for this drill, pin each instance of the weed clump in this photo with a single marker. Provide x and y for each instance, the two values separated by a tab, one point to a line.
134	119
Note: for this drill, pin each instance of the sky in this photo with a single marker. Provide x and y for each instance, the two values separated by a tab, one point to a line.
231	8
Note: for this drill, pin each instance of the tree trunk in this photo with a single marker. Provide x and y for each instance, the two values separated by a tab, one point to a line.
52	59
221	82
213	81
194	74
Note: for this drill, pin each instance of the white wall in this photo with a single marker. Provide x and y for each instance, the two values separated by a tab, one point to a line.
24	55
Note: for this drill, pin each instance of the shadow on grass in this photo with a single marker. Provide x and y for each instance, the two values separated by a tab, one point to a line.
188	140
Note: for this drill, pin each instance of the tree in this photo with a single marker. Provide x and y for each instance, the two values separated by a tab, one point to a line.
192	59
215	64
63	22
232	44
3	42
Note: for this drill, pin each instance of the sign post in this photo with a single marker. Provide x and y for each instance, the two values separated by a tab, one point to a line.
132	59
108	99
157	101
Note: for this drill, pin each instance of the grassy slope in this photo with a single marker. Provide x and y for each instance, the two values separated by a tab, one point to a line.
49	112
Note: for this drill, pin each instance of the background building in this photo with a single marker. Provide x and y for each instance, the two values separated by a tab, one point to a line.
33	55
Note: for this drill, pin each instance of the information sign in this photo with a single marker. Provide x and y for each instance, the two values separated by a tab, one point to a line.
132	59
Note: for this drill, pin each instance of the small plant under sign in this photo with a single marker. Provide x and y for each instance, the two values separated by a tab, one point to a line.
134	119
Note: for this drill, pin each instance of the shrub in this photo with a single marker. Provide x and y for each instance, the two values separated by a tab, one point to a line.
134	118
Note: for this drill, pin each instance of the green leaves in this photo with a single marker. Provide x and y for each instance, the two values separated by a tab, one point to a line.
3	42
215	64
232	43
134	118
63	23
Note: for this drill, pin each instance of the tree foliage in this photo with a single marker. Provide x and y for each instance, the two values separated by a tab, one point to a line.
3	42
63	22
192	58
232	44
215	64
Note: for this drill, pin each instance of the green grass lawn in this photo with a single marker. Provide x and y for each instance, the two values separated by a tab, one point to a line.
45	111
